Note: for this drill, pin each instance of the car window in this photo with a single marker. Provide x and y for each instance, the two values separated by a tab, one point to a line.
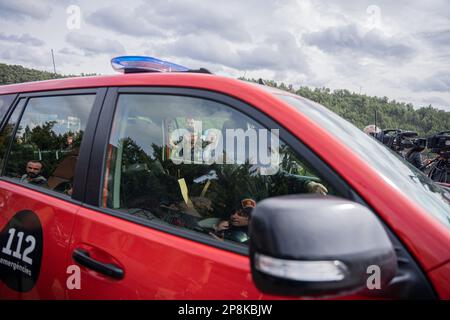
45	148
8	131
399	173
5	102
198	164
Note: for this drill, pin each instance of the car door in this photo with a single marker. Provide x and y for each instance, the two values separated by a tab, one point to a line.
169	167
5	103
41	186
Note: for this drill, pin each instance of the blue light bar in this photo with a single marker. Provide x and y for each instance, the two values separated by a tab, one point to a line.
129	64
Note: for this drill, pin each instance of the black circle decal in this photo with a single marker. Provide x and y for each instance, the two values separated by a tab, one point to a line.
21	251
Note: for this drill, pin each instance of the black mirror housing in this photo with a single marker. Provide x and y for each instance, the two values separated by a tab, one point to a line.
313	245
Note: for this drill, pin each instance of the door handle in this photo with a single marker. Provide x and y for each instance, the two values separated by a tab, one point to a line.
82	257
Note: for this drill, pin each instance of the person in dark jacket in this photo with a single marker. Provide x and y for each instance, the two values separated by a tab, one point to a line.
414	156
236	227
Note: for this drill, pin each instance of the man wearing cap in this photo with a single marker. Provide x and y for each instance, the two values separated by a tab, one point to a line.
236	227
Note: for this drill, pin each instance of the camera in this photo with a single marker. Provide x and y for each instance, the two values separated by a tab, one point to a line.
439	142
440	168
386	136
399	140
420	143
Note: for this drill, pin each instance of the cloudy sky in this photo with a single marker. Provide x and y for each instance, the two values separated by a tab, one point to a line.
399	49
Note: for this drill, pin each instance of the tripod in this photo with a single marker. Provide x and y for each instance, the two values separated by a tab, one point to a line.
440	169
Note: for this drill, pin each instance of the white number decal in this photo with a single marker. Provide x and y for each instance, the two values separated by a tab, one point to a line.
16	254
29	239
29	250
7	249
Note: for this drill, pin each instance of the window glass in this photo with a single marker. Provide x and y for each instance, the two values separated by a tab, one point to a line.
5	102
399	173
197	164
8	130
45	149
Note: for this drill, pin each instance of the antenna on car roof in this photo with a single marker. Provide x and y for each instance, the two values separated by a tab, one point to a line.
376	119
54	66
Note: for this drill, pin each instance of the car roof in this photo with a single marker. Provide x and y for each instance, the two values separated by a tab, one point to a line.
181	79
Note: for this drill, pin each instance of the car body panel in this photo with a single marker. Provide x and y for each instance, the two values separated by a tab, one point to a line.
407	220
57	221
424	236
441	279
173	267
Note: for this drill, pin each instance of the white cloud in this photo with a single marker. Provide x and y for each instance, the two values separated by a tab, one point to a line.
279	51
438	82
396	49
92	45
21	54
130	22
355	41
24	38
21	9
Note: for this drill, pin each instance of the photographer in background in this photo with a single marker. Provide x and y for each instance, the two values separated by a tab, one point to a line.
440	166
413	153
371	130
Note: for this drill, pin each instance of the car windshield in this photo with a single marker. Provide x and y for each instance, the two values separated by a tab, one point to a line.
397	172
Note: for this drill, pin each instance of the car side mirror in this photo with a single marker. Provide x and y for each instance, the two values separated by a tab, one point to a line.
317	245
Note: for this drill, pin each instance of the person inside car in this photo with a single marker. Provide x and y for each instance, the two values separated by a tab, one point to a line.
236	227
33	175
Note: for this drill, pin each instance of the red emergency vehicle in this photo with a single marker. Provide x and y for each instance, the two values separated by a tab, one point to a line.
99	200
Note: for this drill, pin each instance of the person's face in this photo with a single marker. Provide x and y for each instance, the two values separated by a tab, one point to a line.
190	122
239	219
33	169
212	137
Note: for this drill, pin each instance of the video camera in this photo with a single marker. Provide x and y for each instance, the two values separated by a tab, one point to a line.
386	136
440	166
439	143
420	143
399	140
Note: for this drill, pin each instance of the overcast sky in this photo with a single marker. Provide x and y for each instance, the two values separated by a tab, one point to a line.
399	49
